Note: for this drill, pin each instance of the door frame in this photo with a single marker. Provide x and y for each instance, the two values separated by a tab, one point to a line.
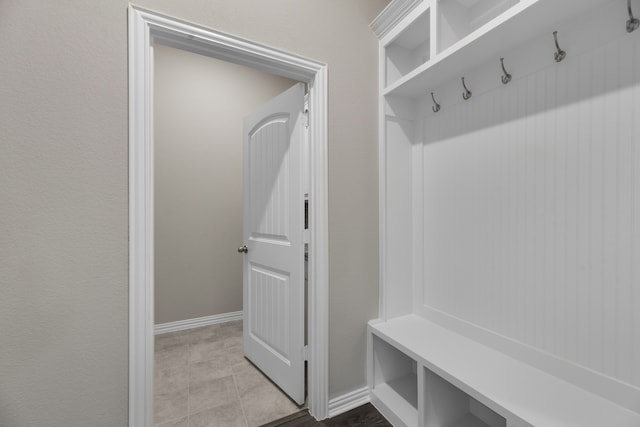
145	29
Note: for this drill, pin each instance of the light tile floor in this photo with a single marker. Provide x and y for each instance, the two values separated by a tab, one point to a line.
203	380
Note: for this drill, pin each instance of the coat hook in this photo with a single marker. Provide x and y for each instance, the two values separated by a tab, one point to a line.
436	106
560	54
467	93
632	23
507	77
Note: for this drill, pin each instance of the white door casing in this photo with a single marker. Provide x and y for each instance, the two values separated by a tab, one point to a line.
145	29
273	225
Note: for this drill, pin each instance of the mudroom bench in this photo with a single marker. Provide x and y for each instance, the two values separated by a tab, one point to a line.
507	207
422	374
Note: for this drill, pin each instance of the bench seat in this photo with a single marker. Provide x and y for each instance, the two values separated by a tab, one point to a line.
521	393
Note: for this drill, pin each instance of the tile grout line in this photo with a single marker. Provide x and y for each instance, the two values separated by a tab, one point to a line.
244	415
189	345
235	383
189	381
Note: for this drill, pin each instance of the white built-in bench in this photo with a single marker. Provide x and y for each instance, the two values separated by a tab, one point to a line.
486	207
421	374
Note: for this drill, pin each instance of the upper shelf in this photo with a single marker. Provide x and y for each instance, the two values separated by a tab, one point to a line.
458	18
483	35
410	49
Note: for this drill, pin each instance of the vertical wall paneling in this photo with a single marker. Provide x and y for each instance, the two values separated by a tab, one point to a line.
417	236
582	212
624	209
571	277
530	209
635	211
399	213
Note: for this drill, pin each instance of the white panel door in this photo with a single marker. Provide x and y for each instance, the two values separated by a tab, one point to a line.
273	236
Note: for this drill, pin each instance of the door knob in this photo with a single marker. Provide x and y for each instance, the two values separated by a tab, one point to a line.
243	249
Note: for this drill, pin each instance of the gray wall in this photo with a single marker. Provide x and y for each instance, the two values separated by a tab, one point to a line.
63	192
200	104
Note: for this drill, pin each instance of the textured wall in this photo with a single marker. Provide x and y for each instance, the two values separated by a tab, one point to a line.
63	220
200	104
63	192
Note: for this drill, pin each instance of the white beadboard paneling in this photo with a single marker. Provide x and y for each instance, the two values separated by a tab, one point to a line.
625	178
398	216
271	321
635	212
531	209
268	147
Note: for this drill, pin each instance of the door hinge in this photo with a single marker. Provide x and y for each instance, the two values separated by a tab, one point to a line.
305	236
305	110
306	212
305	352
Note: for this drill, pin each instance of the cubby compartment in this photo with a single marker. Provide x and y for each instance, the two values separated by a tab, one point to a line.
445	405
458	18
409	50
395	382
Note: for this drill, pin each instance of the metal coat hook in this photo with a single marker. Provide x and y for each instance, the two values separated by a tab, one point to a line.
560	54
632	23
506	78
436	106
467	93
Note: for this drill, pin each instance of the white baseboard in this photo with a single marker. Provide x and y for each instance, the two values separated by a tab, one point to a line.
348	401
181	325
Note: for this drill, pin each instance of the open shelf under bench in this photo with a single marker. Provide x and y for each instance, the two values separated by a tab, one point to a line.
522	394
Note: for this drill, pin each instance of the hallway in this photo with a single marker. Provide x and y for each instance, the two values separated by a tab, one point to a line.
203	380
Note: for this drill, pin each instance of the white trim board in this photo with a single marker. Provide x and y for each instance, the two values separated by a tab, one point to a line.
391	15
145	29
348	401
181	325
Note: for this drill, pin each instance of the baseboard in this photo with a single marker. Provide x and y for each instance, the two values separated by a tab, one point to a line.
348	401
181	325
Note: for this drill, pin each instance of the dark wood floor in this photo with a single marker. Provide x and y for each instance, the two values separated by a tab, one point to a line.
362	416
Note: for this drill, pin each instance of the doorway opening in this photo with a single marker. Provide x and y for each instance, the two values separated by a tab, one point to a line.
146	30
203	369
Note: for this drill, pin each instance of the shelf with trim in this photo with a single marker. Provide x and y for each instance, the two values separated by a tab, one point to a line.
522	21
